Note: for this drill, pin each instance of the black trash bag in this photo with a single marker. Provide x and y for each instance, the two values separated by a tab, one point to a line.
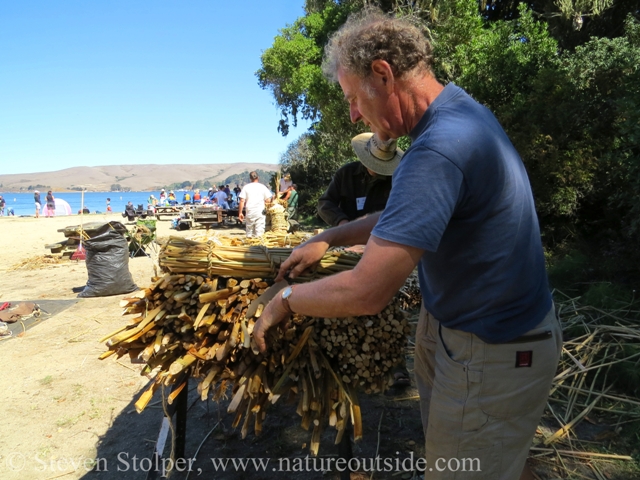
107	265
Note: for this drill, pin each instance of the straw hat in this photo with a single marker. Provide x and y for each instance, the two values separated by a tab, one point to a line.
380	157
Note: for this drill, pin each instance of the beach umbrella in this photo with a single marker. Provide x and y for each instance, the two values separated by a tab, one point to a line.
62	207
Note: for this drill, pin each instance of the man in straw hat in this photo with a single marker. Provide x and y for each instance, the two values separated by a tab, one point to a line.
488	340
361	188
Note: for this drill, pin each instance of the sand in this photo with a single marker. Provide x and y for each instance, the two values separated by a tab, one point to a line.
58	399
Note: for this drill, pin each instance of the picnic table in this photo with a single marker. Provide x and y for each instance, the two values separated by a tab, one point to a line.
207	216
168	211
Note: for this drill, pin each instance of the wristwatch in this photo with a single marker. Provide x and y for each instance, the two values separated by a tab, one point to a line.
286	294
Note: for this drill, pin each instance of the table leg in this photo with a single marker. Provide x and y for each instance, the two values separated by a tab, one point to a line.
345	451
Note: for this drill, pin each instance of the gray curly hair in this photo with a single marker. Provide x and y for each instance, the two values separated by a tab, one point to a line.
371	35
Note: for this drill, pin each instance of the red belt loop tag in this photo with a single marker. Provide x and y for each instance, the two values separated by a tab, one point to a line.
524	359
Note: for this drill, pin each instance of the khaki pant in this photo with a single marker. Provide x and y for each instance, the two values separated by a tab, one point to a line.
475	403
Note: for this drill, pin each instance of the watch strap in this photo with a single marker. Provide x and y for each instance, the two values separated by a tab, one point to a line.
285	300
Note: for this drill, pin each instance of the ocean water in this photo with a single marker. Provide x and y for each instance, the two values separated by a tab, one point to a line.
23	204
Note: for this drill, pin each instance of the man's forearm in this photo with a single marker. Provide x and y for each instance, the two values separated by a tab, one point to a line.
330	212
352	233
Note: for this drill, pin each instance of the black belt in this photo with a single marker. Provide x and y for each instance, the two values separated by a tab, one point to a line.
532	338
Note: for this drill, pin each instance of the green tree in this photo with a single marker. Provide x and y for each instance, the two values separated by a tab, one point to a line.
567	96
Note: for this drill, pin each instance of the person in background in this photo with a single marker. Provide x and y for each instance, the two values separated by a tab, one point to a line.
3	202
291	196
163	197
129	211
360	188
221	198
36	199
254	195
227	190
51	204
285	183
108	205
152	201
186	198
236	195
171	199
488	340
197	198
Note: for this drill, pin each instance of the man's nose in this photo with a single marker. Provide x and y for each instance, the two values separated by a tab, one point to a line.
355	114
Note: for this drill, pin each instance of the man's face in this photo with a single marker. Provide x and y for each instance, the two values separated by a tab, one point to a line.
370	104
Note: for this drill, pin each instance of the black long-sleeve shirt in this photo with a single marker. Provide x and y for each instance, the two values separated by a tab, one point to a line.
353	193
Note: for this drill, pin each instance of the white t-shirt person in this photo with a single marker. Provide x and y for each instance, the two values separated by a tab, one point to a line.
253	197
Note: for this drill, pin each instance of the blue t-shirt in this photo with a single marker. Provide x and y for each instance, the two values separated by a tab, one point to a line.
461	193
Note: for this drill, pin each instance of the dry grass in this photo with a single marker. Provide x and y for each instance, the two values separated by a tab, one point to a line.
38	262
593	399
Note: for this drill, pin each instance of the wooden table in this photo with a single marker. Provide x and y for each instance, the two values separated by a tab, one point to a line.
167	211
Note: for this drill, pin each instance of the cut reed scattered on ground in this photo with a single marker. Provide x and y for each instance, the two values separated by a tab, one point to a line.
596	379
38	262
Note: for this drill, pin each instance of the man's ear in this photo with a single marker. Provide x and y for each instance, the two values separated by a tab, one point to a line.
383	74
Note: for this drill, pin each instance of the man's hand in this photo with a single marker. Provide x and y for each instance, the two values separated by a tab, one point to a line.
302	258
272	315
240	209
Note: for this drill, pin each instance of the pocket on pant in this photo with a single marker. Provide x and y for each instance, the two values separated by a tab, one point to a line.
450	375
508	390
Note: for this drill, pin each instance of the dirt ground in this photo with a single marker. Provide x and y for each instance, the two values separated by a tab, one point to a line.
67	414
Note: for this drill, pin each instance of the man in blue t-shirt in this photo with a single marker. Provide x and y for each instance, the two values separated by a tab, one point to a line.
488	340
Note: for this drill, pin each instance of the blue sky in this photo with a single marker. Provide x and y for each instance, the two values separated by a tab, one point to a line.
85	83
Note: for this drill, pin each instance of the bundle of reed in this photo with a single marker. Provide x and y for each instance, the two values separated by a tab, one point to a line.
195	326
180	255
410	291
269	239
276	213
185	321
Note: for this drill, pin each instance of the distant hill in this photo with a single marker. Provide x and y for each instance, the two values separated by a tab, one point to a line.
133	177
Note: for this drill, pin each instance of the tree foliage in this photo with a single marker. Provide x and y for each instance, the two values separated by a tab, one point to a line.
562	76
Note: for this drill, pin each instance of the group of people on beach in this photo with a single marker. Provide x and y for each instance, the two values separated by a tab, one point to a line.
50	208
222	196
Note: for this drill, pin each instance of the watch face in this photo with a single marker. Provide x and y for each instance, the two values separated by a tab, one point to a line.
287	293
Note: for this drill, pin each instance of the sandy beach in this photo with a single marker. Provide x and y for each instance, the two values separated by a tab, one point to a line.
59	401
